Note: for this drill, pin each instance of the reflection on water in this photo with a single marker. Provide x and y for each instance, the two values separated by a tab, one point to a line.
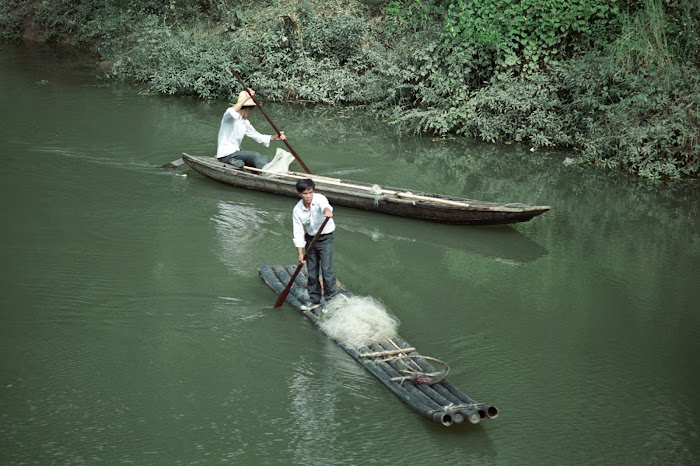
313	404
240	229
501	243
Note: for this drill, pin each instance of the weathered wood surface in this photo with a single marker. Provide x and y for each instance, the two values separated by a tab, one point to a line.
375	198
442	402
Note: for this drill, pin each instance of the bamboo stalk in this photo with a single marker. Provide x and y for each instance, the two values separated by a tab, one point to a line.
336	182
403	351
385	353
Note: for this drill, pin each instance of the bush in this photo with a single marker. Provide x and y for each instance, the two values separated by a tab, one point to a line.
531	35
647	129
526	108
11	19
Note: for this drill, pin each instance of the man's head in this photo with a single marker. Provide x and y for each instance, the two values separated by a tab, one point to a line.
244	97
305	188
248	104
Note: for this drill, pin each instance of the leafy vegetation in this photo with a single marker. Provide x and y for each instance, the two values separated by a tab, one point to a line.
614	80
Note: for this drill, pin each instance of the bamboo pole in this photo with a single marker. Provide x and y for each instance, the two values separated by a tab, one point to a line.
385	353
336	182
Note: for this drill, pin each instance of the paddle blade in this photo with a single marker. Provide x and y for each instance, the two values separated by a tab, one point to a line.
283	296
174	163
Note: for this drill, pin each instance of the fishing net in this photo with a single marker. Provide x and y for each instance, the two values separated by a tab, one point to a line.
378	194
281	162
357	321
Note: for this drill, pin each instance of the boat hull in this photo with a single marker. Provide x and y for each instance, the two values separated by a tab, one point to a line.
374	198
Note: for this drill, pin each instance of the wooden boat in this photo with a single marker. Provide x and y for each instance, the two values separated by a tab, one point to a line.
375	198
441	402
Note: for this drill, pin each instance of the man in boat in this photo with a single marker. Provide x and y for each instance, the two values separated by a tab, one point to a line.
307	216
234	126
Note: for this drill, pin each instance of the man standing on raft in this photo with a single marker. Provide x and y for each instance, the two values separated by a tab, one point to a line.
234	126
307	217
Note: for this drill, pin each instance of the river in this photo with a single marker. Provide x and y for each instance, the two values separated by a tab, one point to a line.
135	328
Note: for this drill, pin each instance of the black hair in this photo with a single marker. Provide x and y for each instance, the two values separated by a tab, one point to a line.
303	185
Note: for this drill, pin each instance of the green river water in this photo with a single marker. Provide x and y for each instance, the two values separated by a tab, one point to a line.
135	328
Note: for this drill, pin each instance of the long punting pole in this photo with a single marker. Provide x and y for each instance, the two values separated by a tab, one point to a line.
283	295
268	119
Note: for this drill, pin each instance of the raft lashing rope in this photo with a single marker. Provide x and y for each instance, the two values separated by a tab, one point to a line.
421	369
368	332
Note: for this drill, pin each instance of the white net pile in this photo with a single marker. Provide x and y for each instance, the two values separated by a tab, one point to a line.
358	321
377	192
281	162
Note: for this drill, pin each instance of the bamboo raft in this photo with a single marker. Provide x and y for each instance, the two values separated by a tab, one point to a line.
441	402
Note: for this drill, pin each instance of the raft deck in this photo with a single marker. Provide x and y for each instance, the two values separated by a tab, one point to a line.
440	402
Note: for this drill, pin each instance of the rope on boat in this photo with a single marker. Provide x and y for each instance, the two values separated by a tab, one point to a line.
430	371
434	372
385	353
386	194
452	407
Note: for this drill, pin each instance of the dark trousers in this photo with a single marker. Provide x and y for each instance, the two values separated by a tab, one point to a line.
245	157
320	259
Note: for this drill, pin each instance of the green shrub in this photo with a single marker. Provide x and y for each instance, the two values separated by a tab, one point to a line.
308	57
531	35
11	19
651	132
525	108
635	123
411	15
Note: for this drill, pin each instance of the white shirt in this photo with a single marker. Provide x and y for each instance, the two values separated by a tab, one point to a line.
310	220
233	128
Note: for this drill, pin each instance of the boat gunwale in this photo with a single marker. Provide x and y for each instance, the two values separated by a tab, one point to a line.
277	179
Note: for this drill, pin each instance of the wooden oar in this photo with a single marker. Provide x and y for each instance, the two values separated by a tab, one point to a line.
270	121
284	294
174	163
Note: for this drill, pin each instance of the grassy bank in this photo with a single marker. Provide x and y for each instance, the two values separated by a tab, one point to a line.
617	81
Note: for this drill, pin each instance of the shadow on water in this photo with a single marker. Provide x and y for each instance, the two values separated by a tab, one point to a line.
502	242
497	242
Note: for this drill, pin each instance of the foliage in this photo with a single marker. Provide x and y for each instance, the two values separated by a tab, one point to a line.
636	123
302	56
11	18
665	30
625	111
414	15
174	61
530	35
520	109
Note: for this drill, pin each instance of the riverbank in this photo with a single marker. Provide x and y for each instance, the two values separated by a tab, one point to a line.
618	84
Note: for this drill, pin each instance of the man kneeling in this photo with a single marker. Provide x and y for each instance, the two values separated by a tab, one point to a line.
234	126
